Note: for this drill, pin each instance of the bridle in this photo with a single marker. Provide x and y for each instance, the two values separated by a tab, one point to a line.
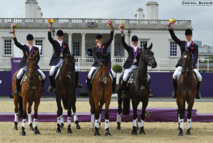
69	75
188	66
102	75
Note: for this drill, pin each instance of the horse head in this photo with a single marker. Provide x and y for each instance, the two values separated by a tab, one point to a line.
148	56
31	65
186	62
104	68
69	67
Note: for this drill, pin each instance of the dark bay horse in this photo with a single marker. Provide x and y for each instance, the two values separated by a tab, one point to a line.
138	90
65	91
186	92
31	92
101	94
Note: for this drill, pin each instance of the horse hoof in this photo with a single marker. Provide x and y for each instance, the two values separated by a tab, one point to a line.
23	133
62	125
96	133
180	134
118	127
36	132
78	127
107	133
134	132
15	128
142	131
179	128
69	131
188	132
31	127
58	131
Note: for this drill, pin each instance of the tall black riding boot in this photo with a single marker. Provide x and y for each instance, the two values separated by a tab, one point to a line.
78	85
52	84
174	93
18	86
198	96
113	85
89	86
124	89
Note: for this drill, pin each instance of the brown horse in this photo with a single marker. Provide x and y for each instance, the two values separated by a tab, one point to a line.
66	91
31	91
186	91
101	94
138	90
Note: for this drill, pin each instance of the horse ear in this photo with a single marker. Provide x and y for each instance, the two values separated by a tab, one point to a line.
150	47
27	54
145	45
34	56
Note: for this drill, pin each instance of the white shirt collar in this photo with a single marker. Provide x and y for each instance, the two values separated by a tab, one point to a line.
135	48
188	43
99	45
30	47
60	42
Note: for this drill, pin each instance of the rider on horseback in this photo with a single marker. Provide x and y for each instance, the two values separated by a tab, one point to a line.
193	48
30	49
103	48
131	62
60	48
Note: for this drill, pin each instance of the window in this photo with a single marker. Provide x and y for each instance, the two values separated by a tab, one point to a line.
39	43
142	43
7	48
117	49
76	48
173	49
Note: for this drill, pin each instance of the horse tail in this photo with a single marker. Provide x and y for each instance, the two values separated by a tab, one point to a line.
65	103
20	107
126	106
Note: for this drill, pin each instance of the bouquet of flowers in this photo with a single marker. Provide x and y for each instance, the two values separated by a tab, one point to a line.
50	21
121	25
13	26
109	23
171	21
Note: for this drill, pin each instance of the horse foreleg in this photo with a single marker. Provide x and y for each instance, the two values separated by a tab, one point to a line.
100	110
97	115
107	118
189	116
59	113
30	117
16	100
135	116
119	112
180	109
92	110
145	103
69	113
24	104
75	117
62	118
36	117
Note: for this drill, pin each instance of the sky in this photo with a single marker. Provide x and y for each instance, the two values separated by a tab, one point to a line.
201	16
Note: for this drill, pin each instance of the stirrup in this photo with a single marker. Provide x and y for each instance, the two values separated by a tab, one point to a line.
174	95
79	85
198	96
123	94
16	91
50	89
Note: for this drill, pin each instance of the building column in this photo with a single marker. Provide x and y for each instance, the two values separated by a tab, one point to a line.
113	47
83	45
70	42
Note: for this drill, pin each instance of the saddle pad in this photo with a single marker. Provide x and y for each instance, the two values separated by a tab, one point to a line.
179	74
56	75
24	78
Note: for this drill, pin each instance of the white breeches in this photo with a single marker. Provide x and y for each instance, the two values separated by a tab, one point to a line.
52	70
94	68
178	70
127	71
21	72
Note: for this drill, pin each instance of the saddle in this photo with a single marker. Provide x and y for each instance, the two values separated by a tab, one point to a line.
56	72
130	76
24	76
195	76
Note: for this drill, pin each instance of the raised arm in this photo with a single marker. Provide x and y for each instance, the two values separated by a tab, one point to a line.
95	56
171	31
50	38
127	47
20	46
109	41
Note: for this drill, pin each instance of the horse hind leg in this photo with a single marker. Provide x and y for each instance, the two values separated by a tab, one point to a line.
30	117
180	108
23	133
59	113
119	115
36	131
97	116
135	116
69	120
189	117
16	102
92	110
75	117
107	118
